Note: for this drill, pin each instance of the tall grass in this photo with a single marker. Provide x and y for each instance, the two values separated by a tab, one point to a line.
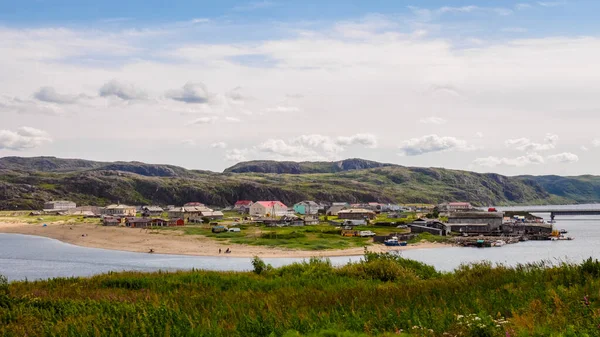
383	295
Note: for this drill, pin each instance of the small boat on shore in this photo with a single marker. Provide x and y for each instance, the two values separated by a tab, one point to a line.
394	242
498	243
563	231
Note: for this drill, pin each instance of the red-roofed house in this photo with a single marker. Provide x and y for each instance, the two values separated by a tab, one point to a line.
268	208
242	205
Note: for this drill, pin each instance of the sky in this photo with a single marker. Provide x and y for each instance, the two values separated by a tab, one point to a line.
488	86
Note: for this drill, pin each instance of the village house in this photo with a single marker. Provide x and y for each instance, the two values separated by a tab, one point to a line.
390	208
268	208
242	206
152	211
176	222
138	222
213	215
59	205
335	209
118	210
159	223
475	222
111	221
306	207
455	207
432	226
187	212
356	214
311	219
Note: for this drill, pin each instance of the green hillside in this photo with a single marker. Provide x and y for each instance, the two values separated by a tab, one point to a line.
25	183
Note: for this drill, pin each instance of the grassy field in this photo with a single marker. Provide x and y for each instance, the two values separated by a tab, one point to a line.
384	295
321	237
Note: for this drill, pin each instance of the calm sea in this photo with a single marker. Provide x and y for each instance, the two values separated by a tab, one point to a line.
31	257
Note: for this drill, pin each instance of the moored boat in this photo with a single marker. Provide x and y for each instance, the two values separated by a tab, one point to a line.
393	241
498	243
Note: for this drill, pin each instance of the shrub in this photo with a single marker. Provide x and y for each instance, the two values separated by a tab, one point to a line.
591	267
3	285
422	270
260	266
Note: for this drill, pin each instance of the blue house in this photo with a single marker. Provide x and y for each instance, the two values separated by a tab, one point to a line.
306	207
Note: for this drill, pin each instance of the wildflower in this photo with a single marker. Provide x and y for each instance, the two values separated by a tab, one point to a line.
586	300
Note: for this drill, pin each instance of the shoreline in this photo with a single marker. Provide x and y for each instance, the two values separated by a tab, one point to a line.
176	243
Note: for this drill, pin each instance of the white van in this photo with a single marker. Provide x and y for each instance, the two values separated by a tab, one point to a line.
235	229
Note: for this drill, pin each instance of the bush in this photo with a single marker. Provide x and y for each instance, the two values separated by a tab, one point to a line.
3	285
420	269
591	267
260	266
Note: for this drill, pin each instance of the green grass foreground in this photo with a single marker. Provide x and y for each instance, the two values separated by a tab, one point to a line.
383	296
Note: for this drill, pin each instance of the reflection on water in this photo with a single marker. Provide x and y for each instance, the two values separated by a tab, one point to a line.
30	257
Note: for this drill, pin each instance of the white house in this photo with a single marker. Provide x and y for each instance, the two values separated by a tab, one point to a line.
59	205
119	210
268	208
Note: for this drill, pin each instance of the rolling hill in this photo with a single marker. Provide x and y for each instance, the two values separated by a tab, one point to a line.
25	183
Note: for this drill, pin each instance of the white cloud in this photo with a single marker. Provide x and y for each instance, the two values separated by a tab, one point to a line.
193	93
200	20
325	143
479	134
432	120
236	155
521	6
364	139
525	144
584	148
203	120
427	14
49	94
432	143
29	107
237	95
463	9
596	143
502	11
282	148
230	119
551	3
335	145
218	145
491	161
283	109
124	91
24	138
565	157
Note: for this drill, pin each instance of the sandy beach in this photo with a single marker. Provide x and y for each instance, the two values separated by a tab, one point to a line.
173	242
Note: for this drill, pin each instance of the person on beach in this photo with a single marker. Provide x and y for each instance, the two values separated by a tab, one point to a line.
219	250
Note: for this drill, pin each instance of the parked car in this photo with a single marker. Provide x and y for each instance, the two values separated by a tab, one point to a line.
366	233
235	229
219	229
402	226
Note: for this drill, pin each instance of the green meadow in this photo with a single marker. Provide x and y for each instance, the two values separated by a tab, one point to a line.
384	295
